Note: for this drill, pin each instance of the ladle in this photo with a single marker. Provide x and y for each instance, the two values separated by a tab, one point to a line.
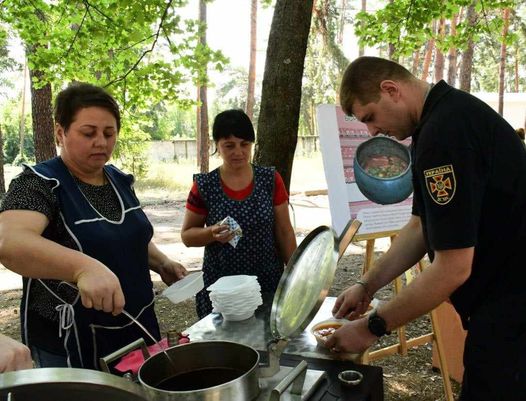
172	363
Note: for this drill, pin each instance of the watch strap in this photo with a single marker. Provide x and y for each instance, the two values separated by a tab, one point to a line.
377	325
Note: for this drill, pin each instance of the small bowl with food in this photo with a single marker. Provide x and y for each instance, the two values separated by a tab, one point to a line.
382	170
326	328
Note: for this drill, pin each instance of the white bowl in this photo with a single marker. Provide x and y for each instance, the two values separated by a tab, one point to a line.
234	317
230	284
185	288
328	324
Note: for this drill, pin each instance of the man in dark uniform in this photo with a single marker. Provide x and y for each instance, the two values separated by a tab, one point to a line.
469	215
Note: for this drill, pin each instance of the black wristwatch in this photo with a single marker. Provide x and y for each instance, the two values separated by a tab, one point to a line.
377	325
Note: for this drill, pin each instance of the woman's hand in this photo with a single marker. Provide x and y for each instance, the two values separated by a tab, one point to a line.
221	233
13	355
171	271
100	289
351	303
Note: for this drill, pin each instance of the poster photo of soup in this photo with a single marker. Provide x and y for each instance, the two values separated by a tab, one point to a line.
340	135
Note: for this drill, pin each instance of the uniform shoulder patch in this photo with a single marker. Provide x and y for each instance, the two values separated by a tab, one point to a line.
441	183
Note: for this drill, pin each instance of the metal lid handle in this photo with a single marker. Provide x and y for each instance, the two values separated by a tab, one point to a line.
348	234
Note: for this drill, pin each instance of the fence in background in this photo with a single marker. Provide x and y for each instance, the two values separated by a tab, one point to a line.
186	149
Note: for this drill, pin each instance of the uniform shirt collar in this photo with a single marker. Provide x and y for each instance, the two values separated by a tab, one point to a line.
433	98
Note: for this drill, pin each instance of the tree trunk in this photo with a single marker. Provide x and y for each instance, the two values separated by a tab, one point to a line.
452	54
203	108
252	64
391	49
2	178
467	56
427	58
416	62
281	91
361	50
198	127
439	56
342	22
502	64
42	114
517	58
205	141
22	125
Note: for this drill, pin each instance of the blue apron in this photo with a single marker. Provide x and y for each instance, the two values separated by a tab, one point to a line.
120	245
256	253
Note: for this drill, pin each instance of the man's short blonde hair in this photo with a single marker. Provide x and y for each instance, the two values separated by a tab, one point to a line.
361	80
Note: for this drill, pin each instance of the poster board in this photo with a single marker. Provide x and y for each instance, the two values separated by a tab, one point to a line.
340	135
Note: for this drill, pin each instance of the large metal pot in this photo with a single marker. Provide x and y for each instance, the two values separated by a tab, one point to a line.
67	384
210	370
223	370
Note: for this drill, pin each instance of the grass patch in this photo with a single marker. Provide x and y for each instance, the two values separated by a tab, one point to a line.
170	181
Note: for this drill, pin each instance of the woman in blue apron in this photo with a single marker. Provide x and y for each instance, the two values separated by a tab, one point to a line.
255	197
73	227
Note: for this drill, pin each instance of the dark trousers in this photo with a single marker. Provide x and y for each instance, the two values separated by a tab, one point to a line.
495	353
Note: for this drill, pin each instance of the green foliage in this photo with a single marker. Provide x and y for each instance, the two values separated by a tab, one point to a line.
6	62
130	152
142	51
169	121
11	130
151	124
407	23
179	122
321	80
485	70
232	94
22	158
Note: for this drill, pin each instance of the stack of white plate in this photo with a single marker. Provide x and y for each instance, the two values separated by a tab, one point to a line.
235	297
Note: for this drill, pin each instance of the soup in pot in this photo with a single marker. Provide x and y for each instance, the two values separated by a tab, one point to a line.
384	166
199	379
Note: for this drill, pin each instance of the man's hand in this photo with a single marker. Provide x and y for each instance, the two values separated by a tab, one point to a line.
351	303
353	337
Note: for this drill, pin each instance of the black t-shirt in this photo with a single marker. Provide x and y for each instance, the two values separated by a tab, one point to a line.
469	178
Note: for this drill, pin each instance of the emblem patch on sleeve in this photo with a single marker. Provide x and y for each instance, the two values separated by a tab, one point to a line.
441	183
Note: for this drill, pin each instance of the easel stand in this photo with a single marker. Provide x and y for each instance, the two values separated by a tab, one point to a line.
405	343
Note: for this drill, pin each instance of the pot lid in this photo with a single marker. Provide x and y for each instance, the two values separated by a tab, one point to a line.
304	283
66	384
307	279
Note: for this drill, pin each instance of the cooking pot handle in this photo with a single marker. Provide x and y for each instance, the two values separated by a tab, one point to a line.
296	377
348	234
104	361
274	349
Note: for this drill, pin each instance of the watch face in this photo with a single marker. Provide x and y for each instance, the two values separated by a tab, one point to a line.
377	325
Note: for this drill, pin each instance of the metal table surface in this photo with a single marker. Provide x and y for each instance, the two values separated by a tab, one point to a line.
255	332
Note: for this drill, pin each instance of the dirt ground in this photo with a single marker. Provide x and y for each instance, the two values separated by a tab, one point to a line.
408	377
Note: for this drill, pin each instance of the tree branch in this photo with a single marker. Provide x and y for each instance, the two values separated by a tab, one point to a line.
77	32
156	36
88	4
135	44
